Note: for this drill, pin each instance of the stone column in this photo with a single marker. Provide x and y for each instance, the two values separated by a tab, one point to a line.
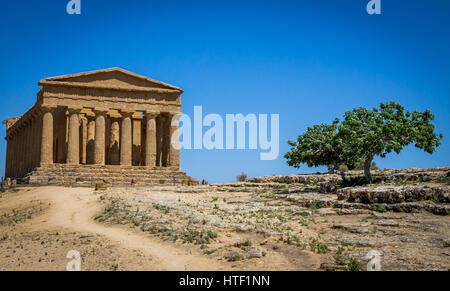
137	140
8	157
37	138
90	147
73	147
13	154
23	158
8	152
126	139
47	136
83	140
11	146
99	152
174	139
165	125
33	142
114	143
23	149
107	140
29	150
17	152
39	120
24	146
61	135
160	121
150	135
19	158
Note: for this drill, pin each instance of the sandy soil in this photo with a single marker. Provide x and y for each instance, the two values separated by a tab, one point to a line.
41	225
222	227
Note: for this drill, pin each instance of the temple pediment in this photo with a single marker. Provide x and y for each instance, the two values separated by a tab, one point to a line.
114	78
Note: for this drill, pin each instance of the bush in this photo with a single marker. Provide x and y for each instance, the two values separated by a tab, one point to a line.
242	177
353	265
444	180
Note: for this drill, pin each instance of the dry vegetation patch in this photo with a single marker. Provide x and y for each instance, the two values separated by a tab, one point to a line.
251	221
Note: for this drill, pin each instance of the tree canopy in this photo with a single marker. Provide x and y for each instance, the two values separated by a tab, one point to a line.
319	145
362	135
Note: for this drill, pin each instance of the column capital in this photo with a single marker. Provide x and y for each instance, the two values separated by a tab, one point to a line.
22	124
89	112
47	108
174	116
164	115
151	113
100	111
115	116
127	113
137	117
171	114
26	121
10	134
74	109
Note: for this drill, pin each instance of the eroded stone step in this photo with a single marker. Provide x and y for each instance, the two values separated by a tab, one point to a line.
113	182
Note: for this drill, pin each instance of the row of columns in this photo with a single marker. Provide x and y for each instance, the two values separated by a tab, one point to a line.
23	149
94	132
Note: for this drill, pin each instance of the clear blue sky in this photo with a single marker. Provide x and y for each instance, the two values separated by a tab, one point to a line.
309	61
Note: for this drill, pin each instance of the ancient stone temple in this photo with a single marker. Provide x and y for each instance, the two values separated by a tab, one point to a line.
109	126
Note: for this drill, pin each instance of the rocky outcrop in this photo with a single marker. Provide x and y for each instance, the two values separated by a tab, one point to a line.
392	195
295	179
406	207
384	176
329	186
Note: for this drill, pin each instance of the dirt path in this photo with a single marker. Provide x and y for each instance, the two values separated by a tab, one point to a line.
73	209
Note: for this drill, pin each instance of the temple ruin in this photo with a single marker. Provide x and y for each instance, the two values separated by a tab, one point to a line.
109	126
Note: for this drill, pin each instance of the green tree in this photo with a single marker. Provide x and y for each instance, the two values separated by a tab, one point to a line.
319	145
378	132
362	135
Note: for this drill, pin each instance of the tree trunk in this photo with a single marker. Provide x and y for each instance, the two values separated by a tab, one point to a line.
343	175
331	169
367	165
